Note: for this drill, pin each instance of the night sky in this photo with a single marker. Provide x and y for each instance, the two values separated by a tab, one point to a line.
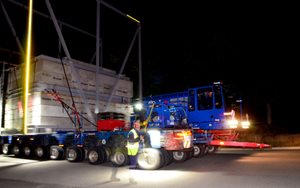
252	47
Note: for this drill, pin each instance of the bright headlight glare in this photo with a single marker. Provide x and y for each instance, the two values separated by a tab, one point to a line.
138	106
232	123
245	124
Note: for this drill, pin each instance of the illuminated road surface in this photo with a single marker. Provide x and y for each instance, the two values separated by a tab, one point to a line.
227	168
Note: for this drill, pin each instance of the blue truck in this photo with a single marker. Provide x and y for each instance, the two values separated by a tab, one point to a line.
215	116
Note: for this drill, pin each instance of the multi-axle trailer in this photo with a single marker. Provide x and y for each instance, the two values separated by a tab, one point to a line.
106	144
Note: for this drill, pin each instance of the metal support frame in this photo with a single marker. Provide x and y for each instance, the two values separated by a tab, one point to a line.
128	52
121	70
69	60
97	56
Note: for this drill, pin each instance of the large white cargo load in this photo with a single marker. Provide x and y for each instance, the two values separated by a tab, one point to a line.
46	114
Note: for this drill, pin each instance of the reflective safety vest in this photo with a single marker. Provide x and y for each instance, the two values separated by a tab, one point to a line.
133	147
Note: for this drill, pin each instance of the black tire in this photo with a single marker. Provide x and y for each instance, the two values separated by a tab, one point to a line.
190	154
119	157
170	153
212	149
108	152
199	150
57	153
17	150
41	152
96	155
179	156
166	157
75	154
6	149
27	151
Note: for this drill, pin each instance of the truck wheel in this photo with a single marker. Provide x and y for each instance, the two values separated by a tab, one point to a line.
96	155
40	152
167	158
6	149
119	157
107	150
27	151
190	154
179	156
199	150
16	150
171	157
75	154
56	153
149	159
212	149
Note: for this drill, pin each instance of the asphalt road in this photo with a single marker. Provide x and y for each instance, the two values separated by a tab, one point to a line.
232	168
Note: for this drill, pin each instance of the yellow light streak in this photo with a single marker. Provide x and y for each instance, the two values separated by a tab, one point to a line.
132	18
27	67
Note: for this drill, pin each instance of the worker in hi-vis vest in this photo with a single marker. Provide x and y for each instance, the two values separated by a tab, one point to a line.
134	143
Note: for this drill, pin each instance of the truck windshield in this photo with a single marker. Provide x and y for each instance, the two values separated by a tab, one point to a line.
205	98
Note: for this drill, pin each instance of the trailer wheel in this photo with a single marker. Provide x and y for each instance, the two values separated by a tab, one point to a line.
163	157
27	151
75	154
6	149
149	159
190	154
199	150
96	155
212	149
179	156
167	158
119	157
107	150
56	153
170	153
16	150
40	152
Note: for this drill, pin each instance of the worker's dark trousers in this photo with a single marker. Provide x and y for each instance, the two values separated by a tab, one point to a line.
133	161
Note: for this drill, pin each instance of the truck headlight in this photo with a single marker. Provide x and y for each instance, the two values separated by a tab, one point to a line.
232	123
245	124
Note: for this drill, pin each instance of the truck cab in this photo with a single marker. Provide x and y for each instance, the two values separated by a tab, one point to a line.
209	108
